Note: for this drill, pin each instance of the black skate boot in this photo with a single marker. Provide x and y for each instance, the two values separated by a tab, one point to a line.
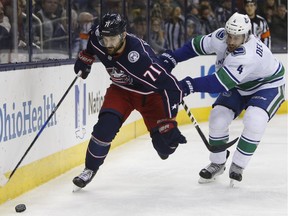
84	178
213	170
210	173
235	173
163	156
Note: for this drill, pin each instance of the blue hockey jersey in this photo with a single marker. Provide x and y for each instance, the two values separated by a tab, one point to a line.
137	69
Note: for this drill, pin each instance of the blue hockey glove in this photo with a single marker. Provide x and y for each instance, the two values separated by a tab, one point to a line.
166	138
168	59
186	86
83	64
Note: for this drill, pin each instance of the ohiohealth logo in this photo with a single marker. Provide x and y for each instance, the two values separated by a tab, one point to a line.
17	120
82	110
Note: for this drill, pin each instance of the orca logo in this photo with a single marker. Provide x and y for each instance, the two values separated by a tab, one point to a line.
227	94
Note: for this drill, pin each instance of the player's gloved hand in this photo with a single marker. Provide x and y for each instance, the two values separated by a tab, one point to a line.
83	63
166	138
168	59
186	86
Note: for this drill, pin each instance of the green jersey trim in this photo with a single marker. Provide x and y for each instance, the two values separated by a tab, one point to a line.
251	85
197	44
227	80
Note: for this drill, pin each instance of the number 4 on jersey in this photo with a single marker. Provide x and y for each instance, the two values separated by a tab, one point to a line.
240	69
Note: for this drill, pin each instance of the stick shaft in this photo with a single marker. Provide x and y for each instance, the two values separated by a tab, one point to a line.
42	128
195	123
203	137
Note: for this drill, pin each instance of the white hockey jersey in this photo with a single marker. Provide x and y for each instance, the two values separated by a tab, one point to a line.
250	68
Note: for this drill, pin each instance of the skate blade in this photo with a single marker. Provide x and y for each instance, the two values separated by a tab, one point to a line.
205	181
232	183
76	189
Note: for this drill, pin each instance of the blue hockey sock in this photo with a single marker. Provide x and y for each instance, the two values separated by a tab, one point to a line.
96	153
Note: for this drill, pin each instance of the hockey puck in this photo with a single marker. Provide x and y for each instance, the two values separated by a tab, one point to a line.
20	208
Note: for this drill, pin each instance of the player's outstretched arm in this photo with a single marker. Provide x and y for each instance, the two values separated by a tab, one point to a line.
208	84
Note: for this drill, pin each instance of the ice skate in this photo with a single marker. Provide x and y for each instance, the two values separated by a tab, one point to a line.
210	173
213	170
163	156
235	173
83	179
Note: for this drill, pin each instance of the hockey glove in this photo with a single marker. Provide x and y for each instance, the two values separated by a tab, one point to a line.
168	59
186	86
166	138
83	64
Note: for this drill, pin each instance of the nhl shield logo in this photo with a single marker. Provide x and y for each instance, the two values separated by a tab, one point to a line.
133	56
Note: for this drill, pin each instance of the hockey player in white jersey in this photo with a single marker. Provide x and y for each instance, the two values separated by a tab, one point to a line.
248	77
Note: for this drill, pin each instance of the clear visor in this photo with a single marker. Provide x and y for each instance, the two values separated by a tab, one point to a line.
110	41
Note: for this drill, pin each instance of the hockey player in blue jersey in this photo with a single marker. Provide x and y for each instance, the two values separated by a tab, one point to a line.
248	77
140	81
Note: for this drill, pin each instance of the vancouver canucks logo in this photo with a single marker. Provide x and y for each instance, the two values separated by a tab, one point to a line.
220	35
133	56
239	51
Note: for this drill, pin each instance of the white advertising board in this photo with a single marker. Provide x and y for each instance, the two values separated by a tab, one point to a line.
29	96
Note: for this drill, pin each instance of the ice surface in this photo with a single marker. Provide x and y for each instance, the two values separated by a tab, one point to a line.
135	181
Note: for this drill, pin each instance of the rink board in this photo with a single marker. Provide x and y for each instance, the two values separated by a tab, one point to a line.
30	96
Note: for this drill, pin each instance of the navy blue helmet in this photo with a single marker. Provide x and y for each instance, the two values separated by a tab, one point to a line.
112	24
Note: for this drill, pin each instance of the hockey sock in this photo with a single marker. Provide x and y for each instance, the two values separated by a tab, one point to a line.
255	121
96	153
103	133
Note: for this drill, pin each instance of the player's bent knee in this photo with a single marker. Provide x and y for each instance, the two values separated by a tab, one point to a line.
107	127
255	120
220	118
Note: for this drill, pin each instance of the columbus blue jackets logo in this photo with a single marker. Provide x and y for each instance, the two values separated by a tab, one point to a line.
133	56
118	76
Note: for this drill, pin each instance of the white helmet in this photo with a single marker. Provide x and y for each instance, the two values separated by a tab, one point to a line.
238	24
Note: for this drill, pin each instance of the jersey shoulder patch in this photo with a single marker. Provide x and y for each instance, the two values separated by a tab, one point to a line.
239	51
133	56
220	34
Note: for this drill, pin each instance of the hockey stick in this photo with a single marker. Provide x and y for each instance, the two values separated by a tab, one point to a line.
3	179
214	149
